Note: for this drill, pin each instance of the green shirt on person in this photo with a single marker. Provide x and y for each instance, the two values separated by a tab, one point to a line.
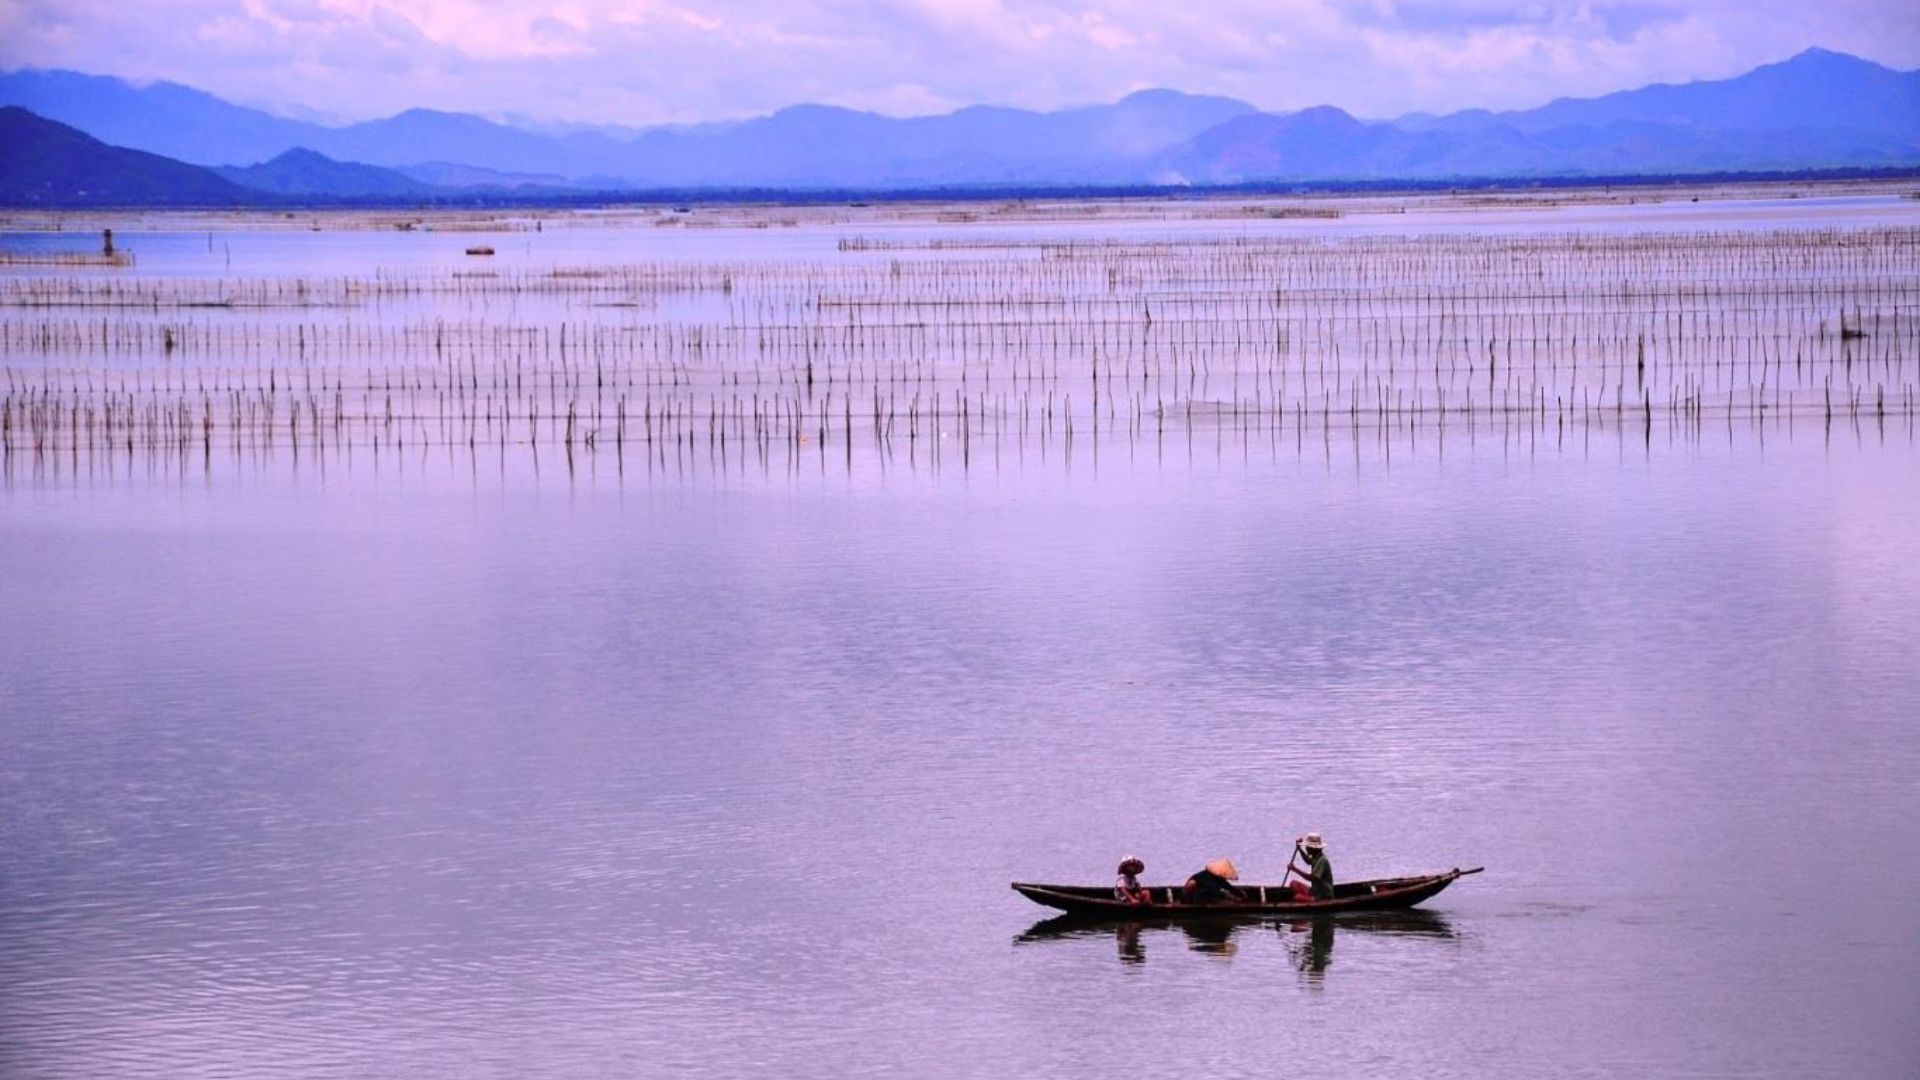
1320	876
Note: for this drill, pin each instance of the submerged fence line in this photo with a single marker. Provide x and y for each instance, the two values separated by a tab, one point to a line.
985	341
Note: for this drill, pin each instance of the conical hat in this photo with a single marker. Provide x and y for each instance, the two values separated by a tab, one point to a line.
1224	867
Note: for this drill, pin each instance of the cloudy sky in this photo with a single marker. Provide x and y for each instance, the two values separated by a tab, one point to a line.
651	61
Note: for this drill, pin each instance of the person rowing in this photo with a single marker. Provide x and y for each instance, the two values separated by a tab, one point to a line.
1212	884
1318	874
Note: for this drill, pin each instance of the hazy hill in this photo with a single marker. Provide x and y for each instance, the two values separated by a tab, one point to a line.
815	145
1817	110
47	164
184	123
303	172
164	118
1816	90
805	145
450	175
416	135
43	163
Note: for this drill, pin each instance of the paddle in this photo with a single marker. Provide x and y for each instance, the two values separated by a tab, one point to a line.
1291	868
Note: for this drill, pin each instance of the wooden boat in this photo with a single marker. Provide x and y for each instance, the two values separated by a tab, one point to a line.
1383	894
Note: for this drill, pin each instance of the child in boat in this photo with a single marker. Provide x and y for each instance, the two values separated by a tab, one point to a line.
1128	887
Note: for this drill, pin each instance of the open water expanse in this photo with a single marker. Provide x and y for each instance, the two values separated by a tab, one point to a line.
404	757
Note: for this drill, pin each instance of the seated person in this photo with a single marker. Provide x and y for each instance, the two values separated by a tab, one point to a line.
1212	885
1128	887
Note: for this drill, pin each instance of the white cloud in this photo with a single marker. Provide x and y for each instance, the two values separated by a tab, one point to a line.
643	61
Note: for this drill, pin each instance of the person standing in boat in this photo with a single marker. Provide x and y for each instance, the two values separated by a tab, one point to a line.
1213	884
1319	871
1127	887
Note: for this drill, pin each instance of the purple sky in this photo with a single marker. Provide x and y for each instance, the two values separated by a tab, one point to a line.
642	61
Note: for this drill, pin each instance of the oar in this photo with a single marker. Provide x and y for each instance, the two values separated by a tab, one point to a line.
1291	868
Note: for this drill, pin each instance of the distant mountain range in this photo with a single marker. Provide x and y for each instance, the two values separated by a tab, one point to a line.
47	164
303	172
806	146
1818	110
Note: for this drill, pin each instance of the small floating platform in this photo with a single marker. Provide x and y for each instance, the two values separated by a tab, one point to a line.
1383	894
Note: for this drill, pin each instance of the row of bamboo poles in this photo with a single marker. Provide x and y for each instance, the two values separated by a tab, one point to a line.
947	343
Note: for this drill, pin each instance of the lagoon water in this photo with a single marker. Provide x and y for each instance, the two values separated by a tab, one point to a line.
446	765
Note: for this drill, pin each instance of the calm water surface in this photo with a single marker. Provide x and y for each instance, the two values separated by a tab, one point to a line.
445	767
211	246
437	774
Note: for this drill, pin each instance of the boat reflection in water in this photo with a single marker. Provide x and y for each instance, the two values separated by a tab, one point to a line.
1309	941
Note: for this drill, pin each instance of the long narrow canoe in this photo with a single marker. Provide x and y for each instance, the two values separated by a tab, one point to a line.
1384	894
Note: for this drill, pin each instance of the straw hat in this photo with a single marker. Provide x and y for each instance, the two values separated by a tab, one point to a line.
1224	868
1312	842
1132	865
